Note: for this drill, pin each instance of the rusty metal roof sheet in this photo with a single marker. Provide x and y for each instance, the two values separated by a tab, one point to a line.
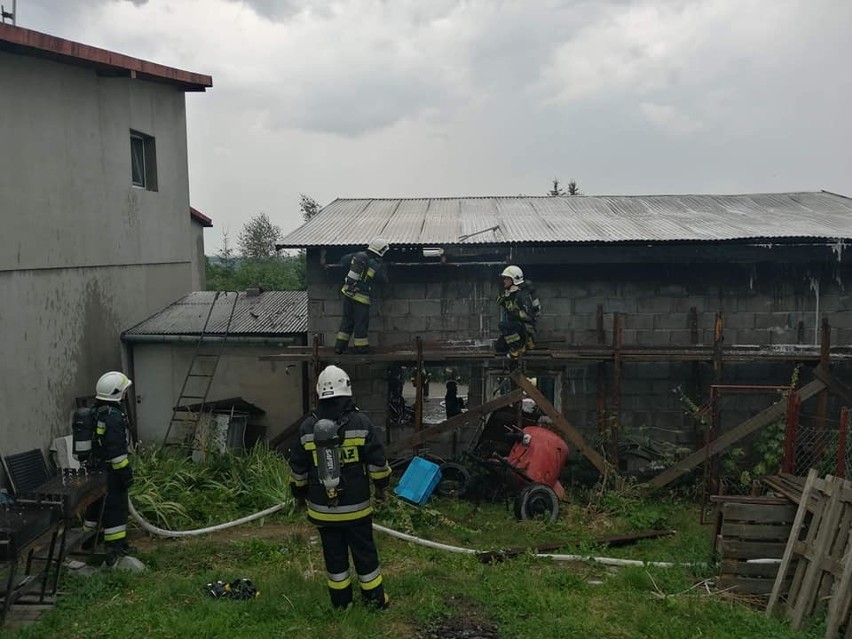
579	218
267	313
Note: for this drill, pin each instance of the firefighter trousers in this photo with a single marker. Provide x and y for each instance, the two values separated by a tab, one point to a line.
337	543
115	511
355	324
513	338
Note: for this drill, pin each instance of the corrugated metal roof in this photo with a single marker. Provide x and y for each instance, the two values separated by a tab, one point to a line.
579	218
269	313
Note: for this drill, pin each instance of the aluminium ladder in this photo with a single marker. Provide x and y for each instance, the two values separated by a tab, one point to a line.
189	408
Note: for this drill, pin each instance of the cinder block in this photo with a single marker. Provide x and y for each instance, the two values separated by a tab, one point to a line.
671	320
736	320
619	305
654	303
394	307
426	308
683	304
680	337
773	320
639	321
652	338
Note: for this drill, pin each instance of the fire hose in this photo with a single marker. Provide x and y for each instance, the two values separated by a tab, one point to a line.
606	561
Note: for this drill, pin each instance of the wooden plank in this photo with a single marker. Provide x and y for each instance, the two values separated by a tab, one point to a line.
795	531
838	606
810	584
756	532
750	499
734	435
751	512
738	549
834	385
457	421
746	585
746	569
571	433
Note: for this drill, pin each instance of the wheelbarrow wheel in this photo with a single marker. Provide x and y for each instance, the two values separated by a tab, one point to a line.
454	479
537	501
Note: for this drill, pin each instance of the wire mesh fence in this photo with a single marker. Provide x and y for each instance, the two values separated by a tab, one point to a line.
824	447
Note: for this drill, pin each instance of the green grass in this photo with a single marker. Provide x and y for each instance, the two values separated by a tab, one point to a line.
526	598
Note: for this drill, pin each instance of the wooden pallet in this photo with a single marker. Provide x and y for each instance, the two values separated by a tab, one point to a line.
751	535
817	559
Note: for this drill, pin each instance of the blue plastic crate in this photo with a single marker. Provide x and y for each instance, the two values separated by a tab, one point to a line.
419	481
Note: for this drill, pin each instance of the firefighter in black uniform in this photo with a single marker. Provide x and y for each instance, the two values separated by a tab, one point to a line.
331	467
517	314
110	450
365	269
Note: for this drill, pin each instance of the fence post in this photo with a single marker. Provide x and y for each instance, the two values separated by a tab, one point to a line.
791	428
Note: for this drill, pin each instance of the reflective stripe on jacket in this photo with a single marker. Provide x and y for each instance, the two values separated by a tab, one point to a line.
362	460
364	270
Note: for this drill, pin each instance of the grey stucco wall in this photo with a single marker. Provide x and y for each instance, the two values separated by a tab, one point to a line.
83	253
160	370
764	300
199	262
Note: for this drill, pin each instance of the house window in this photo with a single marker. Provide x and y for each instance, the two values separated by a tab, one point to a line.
143	161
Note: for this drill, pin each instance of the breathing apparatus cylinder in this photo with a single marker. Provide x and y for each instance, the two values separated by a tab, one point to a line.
327	441
82	431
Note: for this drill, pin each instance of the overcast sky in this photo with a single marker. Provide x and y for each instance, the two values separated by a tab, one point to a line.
412	98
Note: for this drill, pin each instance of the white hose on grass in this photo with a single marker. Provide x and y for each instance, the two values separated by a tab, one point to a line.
606	561
162	532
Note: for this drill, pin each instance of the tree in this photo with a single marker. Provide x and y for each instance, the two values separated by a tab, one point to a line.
258	238
308	206
558	191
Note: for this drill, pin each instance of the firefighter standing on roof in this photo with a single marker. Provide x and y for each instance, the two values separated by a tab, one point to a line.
518	313
337	456
110	449
365	269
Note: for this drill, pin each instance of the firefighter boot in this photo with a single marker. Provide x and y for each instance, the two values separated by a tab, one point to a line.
116	550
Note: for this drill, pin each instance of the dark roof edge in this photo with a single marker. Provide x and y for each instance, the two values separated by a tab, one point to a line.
545	243
199	217
39	44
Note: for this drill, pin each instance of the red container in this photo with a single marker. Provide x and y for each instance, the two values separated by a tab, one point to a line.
541	458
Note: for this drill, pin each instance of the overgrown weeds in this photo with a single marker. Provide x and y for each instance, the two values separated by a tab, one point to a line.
173	492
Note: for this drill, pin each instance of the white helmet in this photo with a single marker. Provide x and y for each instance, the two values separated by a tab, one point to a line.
379	246
333	382
112	386
515	273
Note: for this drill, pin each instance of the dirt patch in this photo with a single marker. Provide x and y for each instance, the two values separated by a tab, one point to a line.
464	620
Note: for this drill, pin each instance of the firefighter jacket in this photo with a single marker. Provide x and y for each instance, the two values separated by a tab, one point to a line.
111	435
365	269
362	459
516	305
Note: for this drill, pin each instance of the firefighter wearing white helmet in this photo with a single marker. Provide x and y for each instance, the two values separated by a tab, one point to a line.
336	458
110	439
366	268
519	309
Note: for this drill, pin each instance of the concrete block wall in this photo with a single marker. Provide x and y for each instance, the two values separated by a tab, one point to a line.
761	304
